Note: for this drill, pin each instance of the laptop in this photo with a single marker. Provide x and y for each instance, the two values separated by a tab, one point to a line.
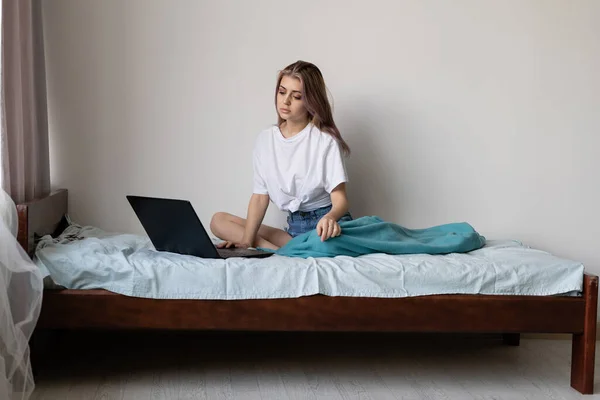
174	226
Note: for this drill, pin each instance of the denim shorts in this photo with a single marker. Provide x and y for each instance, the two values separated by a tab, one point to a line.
300	222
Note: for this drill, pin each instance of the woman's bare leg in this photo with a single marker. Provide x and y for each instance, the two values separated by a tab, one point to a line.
231	228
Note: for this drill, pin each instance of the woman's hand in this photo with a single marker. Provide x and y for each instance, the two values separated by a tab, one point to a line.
243	244
328	228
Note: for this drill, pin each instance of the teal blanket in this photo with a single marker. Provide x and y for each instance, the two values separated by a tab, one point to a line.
368	235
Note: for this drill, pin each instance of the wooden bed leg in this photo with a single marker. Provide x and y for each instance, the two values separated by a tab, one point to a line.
584	344
511	339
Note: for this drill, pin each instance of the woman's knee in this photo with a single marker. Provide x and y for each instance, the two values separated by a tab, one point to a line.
217	221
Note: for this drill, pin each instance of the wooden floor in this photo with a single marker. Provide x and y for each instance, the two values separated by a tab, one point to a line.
211	366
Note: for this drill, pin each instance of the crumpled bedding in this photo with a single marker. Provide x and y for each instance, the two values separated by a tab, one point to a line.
85	257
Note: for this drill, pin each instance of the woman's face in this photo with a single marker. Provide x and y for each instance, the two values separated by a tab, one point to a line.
290	100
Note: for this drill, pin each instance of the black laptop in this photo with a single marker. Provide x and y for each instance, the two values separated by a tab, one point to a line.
174	226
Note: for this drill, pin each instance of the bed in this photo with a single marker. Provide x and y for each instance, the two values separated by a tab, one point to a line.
504	314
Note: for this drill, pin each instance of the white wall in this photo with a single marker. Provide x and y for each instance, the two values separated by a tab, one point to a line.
477	111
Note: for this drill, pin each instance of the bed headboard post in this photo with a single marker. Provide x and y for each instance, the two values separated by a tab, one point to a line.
40	216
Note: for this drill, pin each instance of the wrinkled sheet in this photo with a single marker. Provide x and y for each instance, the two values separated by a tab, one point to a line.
88	258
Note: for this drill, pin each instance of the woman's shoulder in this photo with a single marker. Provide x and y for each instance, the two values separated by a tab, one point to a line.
265	136
266	133
324	138
269	130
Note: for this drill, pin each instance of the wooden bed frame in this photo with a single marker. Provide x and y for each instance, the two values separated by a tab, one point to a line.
508	315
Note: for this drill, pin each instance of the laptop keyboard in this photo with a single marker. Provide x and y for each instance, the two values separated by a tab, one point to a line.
237	252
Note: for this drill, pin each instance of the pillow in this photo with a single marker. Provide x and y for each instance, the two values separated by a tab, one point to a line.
8	213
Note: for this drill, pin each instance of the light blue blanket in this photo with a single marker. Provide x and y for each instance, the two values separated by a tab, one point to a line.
88	258
369	235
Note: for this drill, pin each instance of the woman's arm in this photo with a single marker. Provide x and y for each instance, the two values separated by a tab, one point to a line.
328	226
256	212
339	202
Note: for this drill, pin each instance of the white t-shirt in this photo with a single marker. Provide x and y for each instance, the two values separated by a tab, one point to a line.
298	173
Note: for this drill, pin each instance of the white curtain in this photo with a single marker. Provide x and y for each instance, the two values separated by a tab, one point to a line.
21	289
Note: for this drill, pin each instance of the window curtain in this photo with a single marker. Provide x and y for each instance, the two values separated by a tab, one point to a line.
24	117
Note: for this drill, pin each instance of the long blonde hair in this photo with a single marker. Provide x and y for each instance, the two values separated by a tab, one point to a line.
315	99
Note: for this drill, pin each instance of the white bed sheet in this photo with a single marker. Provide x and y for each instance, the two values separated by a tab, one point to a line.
88	258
